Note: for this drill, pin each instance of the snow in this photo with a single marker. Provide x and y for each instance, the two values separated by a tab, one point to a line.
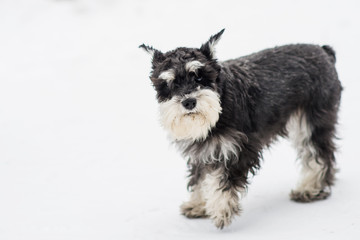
82	155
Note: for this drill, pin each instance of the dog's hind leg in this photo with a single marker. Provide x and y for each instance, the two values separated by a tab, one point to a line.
313	140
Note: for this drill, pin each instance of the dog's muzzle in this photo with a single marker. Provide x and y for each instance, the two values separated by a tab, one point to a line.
191	116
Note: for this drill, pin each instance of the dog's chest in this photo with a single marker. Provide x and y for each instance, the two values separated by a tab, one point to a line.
216	148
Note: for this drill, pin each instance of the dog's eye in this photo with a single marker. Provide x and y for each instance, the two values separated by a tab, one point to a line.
196	77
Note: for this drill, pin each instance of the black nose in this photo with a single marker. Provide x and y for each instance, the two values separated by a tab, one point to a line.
189	103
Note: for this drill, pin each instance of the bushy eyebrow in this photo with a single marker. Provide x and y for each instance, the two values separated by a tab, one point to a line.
193	66
168	75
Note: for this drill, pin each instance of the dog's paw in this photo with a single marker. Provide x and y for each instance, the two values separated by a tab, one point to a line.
224	218
309	196
193	210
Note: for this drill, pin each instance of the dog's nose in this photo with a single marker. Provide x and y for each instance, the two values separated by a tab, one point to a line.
189	103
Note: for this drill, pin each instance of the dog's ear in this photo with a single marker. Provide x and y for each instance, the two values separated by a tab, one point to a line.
156	55
208	48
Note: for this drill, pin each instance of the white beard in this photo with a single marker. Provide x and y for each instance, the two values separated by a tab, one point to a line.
192	124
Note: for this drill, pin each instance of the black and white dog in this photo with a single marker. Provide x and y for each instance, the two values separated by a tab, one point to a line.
221	115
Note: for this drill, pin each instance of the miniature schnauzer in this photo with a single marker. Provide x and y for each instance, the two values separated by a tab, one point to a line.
220	115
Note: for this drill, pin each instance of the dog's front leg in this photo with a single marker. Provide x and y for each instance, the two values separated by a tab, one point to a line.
221	199
195	207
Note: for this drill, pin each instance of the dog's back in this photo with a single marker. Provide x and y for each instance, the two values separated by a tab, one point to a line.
284	79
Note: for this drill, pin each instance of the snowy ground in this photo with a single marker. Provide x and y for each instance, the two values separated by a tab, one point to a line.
82	155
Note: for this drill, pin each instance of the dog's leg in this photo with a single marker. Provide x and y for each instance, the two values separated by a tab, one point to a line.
221	204
195	207
314	143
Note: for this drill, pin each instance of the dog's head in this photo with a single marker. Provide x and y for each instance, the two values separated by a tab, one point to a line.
186	83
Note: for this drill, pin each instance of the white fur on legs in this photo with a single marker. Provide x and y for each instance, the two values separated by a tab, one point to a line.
310	186
195	207
221	206
311	181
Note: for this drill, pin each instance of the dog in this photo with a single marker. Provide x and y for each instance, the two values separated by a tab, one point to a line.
222	114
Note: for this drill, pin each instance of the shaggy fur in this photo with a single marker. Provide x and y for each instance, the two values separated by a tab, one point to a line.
290	91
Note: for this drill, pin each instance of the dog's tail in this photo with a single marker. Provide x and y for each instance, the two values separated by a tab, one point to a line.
330	52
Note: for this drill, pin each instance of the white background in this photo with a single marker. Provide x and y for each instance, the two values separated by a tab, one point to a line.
82	155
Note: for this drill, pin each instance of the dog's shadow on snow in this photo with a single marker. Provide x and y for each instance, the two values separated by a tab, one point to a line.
266	211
